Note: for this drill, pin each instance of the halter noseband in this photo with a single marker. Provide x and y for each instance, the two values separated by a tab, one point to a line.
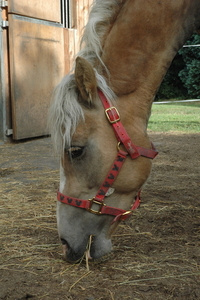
134	151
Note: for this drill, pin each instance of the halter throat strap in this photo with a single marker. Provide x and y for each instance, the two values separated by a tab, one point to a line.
113	117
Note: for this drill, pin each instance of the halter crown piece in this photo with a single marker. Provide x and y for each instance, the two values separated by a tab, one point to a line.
134	151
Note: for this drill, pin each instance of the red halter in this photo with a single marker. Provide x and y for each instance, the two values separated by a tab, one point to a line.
132	150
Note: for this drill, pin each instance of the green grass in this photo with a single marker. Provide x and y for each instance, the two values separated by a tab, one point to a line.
184	117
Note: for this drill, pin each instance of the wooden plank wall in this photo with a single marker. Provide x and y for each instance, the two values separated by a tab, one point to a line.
80	12
36	67
40	9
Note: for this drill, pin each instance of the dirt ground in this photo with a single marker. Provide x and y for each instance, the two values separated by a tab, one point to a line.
156	254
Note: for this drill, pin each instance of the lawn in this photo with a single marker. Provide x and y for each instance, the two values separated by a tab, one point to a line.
183	117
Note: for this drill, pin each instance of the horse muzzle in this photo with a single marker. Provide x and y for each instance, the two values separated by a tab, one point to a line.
98	248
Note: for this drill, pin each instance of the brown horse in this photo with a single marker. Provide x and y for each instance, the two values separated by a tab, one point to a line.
127	47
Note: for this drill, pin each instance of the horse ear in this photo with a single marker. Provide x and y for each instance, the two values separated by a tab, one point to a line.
85	79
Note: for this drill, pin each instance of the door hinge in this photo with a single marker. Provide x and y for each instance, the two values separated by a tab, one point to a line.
4	24
4	3
9	132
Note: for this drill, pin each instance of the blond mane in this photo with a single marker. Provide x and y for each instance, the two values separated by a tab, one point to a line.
65	111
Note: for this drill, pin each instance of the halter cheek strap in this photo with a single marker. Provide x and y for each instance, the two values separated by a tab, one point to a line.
132	150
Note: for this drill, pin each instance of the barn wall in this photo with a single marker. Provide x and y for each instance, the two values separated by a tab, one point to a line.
5	105
42	11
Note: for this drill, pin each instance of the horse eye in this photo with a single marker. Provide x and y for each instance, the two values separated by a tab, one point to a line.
75	152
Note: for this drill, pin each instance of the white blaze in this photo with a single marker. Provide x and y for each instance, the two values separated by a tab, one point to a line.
62	179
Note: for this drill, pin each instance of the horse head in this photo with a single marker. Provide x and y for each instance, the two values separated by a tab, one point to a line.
89	148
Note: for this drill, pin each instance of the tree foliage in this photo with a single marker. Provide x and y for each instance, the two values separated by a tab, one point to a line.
183	77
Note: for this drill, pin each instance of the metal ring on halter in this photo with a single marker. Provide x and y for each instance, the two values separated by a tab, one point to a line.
121	151
127	212
118	146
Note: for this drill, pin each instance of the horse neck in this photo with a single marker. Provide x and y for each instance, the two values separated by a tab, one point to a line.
142	44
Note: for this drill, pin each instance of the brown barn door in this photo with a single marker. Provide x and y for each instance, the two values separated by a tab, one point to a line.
36	53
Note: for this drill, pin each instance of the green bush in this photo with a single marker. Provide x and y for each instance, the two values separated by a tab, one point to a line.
172	86
190	75
183	77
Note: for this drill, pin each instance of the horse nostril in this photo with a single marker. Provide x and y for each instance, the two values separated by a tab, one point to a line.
66	248
64	242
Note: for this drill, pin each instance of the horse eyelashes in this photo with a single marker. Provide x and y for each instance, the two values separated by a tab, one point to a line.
75	152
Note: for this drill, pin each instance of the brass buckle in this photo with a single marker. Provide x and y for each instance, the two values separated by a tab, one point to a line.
108	117
96	212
